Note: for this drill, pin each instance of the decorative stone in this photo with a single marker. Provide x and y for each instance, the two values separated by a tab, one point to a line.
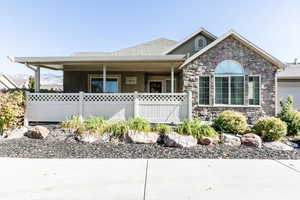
141	137
105	138
177	140
37	132
251	139
230	140
278	146
90	137
15	132
204	140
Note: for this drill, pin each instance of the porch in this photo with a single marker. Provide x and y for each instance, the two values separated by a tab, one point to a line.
115	88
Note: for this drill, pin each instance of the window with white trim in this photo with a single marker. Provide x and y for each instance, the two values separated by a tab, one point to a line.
200	43
203	90
229	83
254	90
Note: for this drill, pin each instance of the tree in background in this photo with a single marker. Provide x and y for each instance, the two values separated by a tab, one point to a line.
31	83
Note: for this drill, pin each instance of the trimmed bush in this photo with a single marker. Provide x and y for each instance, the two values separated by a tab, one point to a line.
117	129
11	109
162	128
188	127
290	116
231	122
270	128
139	124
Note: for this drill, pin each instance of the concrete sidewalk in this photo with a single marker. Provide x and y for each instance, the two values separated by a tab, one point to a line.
88	179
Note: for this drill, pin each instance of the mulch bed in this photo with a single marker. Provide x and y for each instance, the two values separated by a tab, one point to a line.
59	145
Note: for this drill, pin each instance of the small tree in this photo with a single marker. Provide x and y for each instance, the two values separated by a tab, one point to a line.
31	83
290	116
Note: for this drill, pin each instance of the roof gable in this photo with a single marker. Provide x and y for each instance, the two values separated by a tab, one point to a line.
245	42
201	31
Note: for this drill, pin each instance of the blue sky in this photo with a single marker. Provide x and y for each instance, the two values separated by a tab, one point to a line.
60	27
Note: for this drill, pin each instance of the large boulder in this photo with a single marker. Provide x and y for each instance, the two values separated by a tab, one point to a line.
251	139
204	140
15	132
279	146
141	137
230	140
177	140
37	132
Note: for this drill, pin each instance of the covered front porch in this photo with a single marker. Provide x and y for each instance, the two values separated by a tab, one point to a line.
114	88
112	74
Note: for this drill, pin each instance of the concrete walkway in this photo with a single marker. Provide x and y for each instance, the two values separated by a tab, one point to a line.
88	179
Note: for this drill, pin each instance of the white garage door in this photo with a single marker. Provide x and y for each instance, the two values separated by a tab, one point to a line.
286	89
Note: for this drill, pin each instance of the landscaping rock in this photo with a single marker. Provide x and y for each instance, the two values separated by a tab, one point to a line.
177	140
90	137
37	132
15	132
141	137
105	138
251	139
208	140
278	146
230	140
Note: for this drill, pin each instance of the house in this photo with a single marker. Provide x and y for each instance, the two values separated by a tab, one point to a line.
221	73
289	83
7	83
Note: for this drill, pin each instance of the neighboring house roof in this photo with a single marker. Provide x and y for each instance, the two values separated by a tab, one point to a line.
201	30
292	71
6	82
244	41
151	48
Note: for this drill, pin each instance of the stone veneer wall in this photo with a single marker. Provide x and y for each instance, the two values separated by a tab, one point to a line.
253	63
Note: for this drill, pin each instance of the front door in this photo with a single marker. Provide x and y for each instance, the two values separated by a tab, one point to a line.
155	86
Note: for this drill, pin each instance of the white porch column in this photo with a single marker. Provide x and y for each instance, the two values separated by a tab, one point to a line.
104	78
37	79
172	80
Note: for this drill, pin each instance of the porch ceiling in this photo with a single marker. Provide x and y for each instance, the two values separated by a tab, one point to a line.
113	63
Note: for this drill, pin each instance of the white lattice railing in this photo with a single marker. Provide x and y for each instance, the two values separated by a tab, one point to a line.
155	107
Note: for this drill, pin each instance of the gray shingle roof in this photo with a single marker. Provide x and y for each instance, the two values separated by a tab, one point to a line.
154	47
292	71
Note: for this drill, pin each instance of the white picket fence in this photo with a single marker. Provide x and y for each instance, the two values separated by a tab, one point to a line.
156	108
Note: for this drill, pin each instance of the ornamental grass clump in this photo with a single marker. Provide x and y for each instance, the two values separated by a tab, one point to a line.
11	109
139	124
188	127
96	124
205	130
73	123
290	116
162	128
117	129
270	128
231	122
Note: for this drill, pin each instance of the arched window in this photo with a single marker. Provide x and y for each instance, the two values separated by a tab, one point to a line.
229	67
229	83
200	43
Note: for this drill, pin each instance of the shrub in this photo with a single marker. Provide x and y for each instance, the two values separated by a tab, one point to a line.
162	128
11	109
139	124
205	130
231	121
290	116
270	128
73	123
96	124
188	127
117	129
